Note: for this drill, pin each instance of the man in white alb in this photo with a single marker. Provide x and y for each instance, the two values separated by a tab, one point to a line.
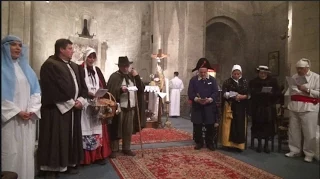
304	110
176	86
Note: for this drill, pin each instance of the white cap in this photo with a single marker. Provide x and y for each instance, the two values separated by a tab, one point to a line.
88	51
236	67
303	63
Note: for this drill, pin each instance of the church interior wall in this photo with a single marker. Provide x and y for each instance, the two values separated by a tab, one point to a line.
123	34
241	13
138	29
274	23
303	33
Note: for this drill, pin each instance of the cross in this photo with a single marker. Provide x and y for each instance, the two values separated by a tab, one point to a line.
159	55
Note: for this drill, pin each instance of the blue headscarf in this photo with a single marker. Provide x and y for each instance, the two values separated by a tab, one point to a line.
8	77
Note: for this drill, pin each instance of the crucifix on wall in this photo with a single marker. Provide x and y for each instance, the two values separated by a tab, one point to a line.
159	55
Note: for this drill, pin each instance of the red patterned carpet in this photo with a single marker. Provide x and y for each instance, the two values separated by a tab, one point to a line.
185	163
151	135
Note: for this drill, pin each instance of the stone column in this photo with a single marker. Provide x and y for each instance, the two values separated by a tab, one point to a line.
194	44
16	20
157	12
4	18
103	59
303	41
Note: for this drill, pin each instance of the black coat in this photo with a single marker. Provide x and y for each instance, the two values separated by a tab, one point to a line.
263	109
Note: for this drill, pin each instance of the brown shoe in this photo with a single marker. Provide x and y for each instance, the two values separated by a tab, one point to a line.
128	153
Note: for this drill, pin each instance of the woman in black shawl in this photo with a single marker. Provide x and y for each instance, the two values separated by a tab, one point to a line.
265	93
235	93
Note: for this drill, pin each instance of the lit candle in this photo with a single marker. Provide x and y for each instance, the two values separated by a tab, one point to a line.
167	89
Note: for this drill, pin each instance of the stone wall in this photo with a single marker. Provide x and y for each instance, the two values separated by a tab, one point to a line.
239	17
116	27
16	20
303	34
122	34
274	23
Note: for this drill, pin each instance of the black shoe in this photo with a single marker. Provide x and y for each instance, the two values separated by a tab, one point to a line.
198	146
128	153
259	149
113	154
266	149
211	147
51	175
72	170
101	161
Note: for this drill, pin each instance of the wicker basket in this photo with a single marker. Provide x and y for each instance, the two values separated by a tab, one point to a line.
105	107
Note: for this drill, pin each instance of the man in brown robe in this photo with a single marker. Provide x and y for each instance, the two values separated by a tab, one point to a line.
126	123
63	93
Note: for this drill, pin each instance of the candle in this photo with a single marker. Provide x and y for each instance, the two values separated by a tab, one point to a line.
167	89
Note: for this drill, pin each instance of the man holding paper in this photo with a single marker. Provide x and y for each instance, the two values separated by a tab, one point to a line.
304	111
203	92
122	85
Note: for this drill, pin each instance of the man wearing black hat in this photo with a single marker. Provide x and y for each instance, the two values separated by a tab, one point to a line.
203	92
126	123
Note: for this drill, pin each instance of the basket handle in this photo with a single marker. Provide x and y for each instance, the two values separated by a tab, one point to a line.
111	97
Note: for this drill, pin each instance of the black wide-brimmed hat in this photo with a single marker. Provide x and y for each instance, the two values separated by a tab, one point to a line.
124	61
263	69
202	63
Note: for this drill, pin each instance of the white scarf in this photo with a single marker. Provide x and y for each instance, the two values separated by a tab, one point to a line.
92	83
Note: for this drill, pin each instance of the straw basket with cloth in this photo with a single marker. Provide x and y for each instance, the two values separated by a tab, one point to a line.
105	107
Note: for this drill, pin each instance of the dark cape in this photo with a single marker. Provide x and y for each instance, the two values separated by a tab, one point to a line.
238	123
263	107
114	87
58	146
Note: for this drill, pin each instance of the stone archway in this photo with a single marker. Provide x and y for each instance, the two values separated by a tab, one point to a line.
225	45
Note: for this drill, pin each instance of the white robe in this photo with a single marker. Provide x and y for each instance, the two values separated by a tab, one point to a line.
18	136
176	86
304	116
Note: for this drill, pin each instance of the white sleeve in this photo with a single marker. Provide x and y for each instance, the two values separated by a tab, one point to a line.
66	106
8	110
34	106
83	101
182	86
226	95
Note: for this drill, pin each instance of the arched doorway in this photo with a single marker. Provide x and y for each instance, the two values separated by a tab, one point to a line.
225	45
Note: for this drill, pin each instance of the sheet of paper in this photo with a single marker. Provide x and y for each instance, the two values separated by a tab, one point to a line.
300	80
101	93
266	89
233	94
290	81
